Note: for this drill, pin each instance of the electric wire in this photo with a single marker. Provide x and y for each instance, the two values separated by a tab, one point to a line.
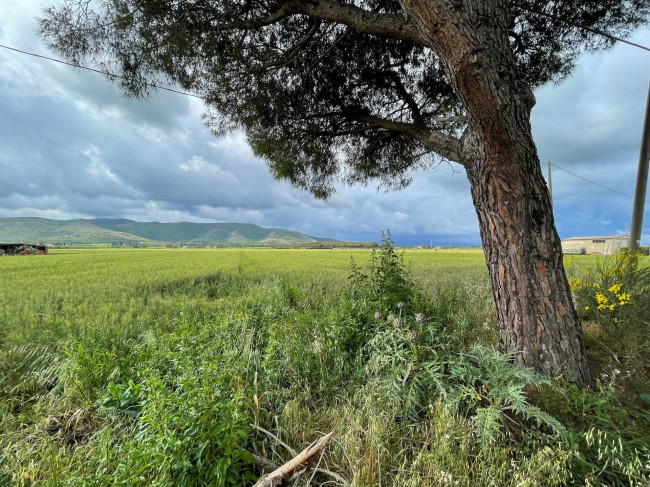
94	70
580	26
594	182
152	85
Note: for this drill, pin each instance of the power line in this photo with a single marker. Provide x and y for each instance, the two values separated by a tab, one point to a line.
105	73
113	75
593	182
580	26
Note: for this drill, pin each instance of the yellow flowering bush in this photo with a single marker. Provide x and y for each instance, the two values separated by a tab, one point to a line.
614	293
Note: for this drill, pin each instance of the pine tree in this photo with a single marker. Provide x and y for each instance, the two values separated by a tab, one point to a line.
362	90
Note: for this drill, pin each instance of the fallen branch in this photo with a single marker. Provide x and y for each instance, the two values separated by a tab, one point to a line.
267	464
279	474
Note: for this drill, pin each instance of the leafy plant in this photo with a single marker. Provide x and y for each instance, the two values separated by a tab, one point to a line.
385	281
124	399
614	293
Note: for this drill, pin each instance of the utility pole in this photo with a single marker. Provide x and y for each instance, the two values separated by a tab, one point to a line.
550	183
641	182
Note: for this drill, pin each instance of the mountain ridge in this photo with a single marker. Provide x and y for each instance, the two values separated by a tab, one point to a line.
121	231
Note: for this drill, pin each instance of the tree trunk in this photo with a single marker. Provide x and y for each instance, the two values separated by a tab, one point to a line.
524	257
522	248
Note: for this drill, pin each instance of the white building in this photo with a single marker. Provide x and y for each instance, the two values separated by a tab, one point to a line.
606	245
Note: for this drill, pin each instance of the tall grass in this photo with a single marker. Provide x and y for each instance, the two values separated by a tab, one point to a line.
148	368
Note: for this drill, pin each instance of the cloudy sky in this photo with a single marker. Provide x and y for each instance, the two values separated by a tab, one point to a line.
72	147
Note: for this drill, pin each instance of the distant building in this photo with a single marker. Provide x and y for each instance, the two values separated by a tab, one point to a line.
606	245
22	249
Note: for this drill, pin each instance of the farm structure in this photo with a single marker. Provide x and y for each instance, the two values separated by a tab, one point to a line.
22	249
604	245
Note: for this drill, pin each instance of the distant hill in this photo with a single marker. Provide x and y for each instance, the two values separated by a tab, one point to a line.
129	232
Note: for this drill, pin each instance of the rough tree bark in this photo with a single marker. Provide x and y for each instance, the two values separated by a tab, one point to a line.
523	251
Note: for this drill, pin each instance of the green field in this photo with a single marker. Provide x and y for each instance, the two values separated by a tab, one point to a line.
77	291
146	367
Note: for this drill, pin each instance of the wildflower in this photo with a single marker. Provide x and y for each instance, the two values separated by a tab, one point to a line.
378	315
413	336
479	398
615	288
398	323
601	298
587	308
391	317
421	318
400	305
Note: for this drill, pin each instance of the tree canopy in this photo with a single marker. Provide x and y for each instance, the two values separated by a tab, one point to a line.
325	90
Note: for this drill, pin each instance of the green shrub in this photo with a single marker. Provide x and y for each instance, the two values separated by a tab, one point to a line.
614	293
385	280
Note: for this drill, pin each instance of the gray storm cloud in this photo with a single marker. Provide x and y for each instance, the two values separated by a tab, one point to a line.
71	146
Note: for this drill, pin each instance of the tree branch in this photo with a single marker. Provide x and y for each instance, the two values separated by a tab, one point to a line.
295	51
385	25
445	145
406	96
275	477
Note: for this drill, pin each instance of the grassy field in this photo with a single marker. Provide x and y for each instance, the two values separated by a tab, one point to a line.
147	367
71	292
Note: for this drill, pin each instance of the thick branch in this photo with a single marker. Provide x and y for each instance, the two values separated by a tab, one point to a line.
385	25
442	144
275	477
295	51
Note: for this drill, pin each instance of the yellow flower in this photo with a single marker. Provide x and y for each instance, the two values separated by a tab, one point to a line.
478	397
615	288
587	308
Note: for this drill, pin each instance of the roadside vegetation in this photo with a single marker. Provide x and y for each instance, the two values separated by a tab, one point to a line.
163	367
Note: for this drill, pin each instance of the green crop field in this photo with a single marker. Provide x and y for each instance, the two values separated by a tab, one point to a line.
148	367
75	291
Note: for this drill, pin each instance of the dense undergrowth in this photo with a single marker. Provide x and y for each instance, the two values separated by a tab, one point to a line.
406	375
